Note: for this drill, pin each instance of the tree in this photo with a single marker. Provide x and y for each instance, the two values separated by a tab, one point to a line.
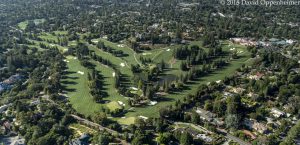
195	118
232	121
103	139
100	118
162	64
186	139
164	138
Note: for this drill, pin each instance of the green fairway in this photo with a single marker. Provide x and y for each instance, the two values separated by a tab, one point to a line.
127	120
23	25
48	36
131	56
113	106
152	111
76	86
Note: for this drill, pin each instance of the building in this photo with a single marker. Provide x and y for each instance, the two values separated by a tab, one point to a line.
83	140
254	125
277	113
257	76
205	115
205	138
196	134
4	107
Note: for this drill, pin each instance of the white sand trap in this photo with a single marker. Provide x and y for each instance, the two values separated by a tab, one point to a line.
168	49
122	64
121	45
66	60
143	117
52	45
232	49
134	88
240	51
147	53
299	61
75	58
152	103
80	72
95	41
121	103
123	117
218	81
113	74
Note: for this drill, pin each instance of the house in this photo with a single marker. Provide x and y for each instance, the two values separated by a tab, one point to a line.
257	76
227	94
205	138
244	41
1	88
4	107
236	90
35	102
277	113
7	126
296	70
254	125
13	79
205	115
83	140
251	94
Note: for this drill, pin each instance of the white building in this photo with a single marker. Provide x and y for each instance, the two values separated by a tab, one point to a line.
277	113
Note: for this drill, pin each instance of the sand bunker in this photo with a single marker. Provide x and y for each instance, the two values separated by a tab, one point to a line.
122	64
80	72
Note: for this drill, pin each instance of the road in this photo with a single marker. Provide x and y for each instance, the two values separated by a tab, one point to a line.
90	123
236	139
227	135
198	127
101	128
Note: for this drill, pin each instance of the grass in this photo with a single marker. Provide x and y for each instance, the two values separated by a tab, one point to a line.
77	88
23	25
79	129
48	36
152	111
60	32
131	55
127	121
113	106
37	45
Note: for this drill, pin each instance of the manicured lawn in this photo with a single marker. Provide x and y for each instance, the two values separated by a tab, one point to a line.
23	25
113	105
77	88
48	36
60	32
127	120
76	84
131	56
153	111
37	45
108	79
119	63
